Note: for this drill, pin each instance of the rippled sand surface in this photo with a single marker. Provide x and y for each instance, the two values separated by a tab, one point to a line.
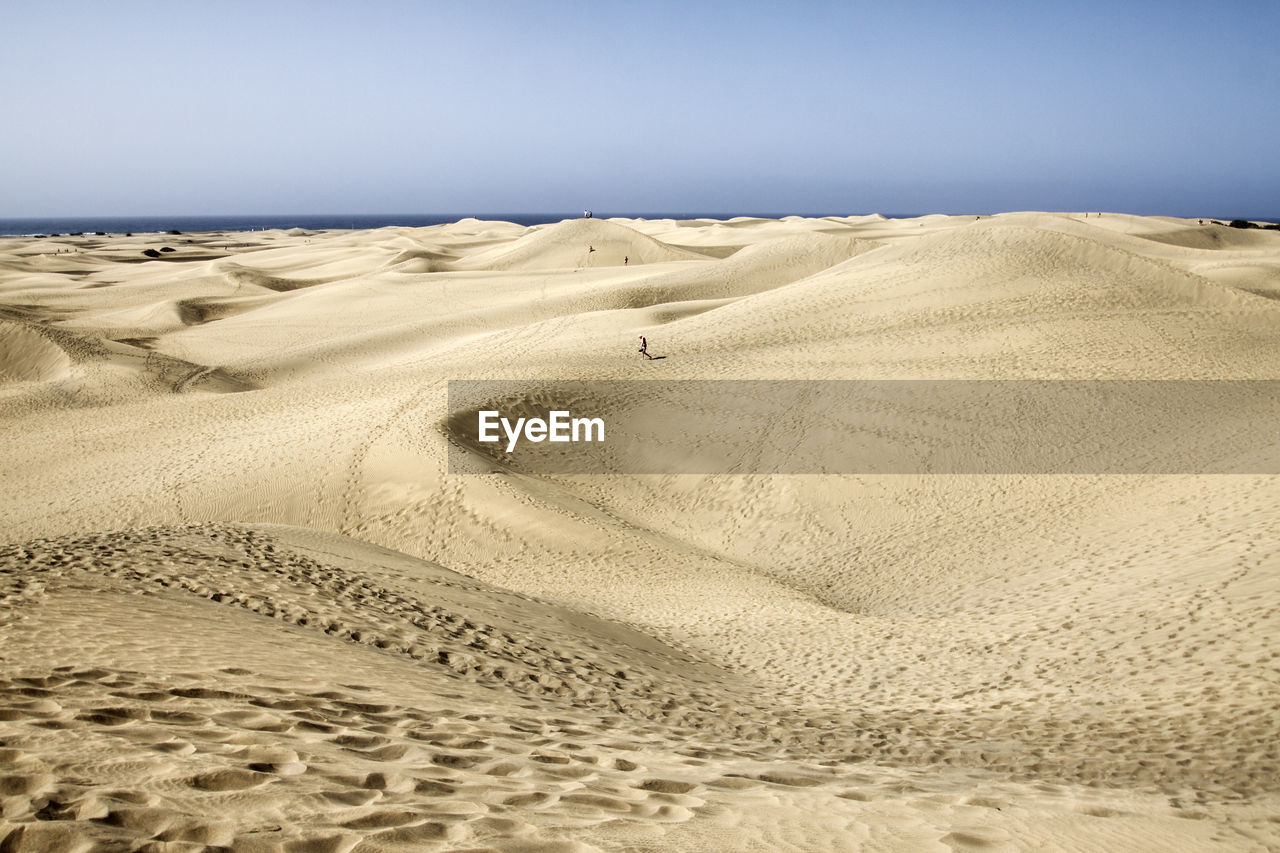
245	605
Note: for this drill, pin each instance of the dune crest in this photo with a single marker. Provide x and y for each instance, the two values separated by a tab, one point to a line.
576	243
28	356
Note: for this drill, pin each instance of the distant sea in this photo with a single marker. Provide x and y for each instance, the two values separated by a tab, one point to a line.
360	221
160	224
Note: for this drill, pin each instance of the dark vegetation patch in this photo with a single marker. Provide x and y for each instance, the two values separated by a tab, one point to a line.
1245	223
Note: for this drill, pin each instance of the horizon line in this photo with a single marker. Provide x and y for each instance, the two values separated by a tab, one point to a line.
637	214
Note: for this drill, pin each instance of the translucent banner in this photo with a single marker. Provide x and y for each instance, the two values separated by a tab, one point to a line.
864	427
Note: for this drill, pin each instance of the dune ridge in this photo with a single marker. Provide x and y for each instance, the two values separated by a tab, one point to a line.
244	605
577	243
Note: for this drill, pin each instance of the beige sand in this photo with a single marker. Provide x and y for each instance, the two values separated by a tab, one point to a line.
245	606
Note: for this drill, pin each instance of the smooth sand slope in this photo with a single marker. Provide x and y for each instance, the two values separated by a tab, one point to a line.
244	605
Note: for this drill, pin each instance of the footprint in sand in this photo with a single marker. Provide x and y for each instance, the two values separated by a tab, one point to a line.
230	779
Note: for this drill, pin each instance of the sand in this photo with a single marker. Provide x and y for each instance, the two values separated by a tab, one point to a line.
245	605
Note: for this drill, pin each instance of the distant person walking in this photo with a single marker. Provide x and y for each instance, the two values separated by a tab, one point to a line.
644	347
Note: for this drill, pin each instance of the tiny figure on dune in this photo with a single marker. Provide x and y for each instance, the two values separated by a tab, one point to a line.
590	249
625	258
644	347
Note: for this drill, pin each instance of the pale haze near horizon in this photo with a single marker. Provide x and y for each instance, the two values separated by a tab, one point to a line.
380	107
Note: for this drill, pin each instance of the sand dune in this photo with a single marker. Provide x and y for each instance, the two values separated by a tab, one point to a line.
27	356
577	243
244	604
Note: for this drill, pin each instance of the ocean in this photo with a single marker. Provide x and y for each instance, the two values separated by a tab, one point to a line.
317	221
352	221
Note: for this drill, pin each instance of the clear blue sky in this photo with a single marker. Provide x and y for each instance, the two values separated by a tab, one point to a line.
132	108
